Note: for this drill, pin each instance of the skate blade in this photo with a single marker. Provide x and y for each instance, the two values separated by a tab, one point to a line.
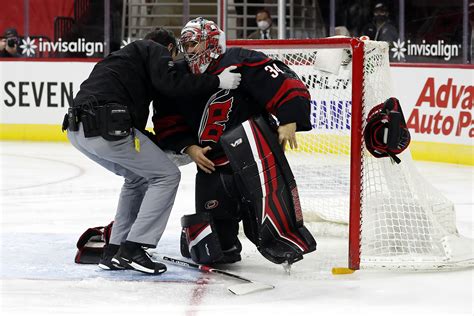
247	288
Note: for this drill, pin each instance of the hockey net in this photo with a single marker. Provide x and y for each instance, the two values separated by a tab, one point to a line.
392	216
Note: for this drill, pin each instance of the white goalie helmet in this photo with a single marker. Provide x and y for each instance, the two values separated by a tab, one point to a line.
202	32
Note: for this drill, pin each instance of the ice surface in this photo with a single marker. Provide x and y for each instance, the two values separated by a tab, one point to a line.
51	194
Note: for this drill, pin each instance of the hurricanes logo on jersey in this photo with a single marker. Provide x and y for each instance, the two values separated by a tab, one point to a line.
215	116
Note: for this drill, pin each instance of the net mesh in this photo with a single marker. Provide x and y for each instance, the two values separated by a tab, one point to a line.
405	221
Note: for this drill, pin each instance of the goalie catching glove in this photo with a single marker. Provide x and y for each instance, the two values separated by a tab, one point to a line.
386	133
90	245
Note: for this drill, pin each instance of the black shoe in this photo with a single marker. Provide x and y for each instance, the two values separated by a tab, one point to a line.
131	255
106	260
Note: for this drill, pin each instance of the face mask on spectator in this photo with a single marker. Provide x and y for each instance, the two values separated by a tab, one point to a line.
380	18
263	25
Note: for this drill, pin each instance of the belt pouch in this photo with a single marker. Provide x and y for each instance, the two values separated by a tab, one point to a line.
71	118
90	123
116	122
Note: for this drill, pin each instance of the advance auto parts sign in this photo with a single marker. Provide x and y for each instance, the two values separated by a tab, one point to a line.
437	102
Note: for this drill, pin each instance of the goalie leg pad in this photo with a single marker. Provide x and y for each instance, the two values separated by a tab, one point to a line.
199	240
267	183
217	194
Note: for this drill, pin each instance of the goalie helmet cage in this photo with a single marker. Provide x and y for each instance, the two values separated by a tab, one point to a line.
396	219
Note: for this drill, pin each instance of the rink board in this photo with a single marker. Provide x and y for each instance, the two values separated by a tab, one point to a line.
437	104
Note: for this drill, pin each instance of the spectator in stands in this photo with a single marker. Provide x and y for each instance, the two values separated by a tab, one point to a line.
381	28
9	43
264	23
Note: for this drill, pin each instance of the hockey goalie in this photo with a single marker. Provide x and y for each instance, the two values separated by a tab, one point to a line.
238	146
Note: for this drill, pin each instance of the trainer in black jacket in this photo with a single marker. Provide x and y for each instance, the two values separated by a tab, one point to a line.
133	74
125	82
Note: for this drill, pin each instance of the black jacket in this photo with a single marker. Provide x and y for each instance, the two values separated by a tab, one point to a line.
5	54
386	33
133	75
267	86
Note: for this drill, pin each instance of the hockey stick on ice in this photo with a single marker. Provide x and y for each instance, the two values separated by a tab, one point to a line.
239	289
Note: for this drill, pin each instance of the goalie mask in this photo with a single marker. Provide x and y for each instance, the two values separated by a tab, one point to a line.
201	41
386	132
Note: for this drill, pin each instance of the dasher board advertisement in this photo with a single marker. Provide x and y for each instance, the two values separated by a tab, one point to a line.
437	103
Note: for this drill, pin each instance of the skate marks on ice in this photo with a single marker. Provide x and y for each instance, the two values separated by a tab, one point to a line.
36	256
246	287
39	274
39	256
64	171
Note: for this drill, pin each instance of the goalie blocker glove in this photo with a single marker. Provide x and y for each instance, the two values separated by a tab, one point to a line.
386	133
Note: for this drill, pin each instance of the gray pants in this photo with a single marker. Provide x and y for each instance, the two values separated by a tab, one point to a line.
149	190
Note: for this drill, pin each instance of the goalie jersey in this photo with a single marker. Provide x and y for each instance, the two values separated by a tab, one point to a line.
267	86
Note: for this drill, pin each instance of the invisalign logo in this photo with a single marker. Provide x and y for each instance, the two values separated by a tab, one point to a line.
29	46
439	49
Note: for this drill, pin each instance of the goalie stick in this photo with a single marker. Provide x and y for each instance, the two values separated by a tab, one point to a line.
239	289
